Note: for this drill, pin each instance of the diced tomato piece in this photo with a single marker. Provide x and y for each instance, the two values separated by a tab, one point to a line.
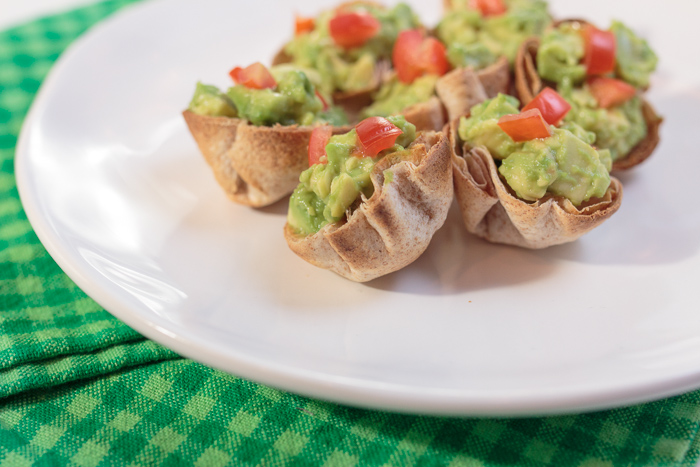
376	134
255	76
413	56
317	144
610	92
353	29
488	7
434	57
525	126
599	56
406	55
552	106
323	101
302	25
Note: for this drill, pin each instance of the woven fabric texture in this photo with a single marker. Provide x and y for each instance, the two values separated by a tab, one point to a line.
78	387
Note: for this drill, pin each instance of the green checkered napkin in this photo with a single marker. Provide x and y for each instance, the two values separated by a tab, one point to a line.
78	387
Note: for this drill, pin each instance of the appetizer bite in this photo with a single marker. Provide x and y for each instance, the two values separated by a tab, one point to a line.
256	134
602	75
350	47
525	178
372	198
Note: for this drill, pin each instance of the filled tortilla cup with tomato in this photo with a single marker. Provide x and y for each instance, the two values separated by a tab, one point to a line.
541	187
602	74
373	203
350	47
255	136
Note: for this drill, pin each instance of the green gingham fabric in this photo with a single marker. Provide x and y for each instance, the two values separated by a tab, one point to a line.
78	387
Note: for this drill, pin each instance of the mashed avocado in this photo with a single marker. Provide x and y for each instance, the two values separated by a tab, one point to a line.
560	53
635	59
477	41
394	96
564	164
562	50
350	69
208	100
618	129
293	101
327	191
481	128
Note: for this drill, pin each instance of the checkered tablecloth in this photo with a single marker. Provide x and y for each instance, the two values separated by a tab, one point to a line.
78	387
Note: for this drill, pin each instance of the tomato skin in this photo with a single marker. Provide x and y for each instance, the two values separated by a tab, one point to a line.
599	57
414	55
317	144
254	76
552	106
302	25
525	126
488	7
353	29
610	92
376	134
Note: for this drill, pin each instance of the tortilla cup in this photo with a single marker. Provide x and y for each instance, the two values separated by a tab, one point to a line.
528	84
491	210
462	88
394	226
255	165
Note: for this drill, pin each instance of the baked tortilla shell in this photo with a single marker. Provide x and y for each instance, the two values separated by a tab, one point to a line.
491	210
394	226
426	116
528	84
462	88
255	165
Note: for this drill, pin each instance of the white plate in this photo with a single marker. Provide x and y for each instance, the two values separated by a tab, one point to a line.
117	191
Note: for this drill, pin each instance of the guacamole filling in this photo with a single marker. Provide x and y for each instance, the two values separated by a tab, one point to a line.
562	49
350	69
564	164
209	100
394	96
476	41
326	192
635	61
293	101
618	128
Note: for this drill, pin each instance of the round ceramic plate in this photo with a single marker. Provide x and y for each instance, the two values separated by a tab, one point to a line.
117	191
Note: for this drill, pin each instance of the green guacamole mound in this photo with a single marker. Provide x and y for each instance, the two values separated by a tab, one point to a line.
350	69
564	164
476	41
293	101
481	128
562	50
209	100
394	96
327	191
635	59
560	53
618	128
